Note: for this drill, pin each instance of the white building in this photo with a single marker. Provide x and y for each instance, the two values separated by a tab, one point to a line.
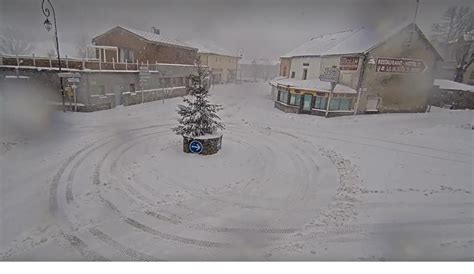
391	70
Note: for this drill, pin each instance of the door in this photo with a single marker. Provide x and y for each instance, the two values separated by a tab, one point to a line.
305	74
306	107
118	95
373	103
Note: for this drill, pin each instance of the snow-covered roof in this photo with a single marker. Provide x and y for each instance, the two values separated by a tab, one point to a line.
204	46
152	37
312	84
451	85
319	45
356	41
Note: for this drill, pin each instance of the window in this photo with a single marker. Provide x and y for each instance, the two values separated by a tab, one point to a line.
292	74
132	87
305	74
320	102
345	103
295	99
340	104
334	104
127	55
283	97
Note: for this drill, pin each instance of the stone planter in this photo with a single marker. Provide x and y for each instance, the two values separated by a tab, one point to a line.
204	145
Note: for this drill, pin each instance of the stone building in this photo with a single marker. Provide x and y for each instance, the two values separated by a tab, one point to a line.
130	45
223	64
390	71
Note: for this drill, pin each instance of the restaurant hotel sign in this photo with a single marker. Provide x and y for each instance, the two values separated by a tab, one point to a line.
349	63
398	65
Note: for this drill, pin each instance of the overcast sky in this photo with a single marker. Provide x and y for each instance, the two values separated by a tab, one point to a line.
261	28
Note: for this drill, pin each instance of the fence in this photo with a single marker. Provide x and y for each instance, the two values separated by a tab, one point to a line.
75	63
142	96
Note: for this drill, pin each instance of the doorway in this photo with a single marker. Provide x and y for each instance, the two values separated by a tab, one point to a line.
373	104
306	104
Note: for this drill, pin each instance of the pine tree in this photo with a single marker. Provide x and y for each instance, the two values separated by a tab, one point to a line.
198	116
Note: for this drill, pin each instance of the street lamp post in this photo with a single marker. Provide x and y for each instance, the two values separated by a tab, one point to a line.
48	26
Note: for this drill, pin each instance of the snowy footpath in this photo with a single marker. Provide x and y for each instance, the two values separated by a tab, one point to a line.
115	185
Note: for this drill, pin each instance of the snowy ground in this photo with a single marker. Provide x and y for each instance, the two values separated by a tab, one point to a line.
114	185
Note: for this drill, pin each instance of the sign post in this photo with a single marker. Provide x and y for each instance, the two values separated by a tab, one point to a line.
73	86
330	75
73	79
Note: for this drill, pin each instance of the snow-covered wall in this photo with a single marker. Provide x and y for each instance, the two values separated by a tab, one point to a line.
103	89
312	64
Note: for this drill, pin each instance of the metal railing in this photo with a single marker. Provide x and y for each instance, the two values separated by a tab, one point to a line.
76	63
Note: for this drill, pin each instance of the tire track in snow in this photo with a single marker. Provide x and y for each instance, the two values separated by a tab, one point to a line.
140	226
72	239
338	138
134	223
79	244
129	251
199	227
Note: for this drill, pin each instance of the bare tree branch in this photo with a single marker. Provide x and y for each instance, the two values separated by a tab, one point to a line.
13	42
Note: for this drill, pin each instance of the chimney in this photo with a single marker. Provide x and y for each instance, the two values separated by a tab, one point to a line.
155	30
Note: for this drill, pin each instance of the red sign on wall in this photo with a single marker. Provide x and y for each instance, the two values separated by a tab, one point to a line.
397	65
349	63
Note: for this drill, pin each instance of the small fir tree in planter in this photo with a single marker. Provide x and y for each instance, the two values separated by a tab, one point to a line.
198	122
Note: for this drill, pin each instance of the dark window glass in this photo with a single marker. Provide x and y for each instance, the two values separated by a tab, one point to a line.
320	102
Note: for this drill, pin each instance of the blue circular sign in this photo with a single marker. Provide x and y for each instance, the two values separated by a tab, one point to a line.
195	146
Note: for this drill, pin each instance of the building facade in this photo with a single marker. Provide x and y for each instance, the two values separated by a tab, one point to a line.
390	71
101	85
134	46
223	67
258	69
223	64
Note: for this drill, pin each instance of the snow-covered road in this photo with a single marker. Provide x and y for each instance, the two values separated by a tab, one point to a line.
114	185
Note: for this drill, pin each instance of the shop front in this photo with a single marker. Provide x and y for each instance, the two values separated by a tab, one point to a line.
301	98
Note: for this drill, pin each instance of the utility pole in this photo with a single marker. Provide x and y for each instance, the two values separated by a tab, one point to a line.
414	20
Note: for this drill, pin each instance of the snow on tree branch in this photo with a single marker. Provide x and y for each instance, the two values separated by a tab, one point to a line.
198	116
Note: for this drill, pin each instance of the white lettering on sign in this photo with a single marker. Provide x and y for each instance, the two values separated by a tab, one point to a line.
398	65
